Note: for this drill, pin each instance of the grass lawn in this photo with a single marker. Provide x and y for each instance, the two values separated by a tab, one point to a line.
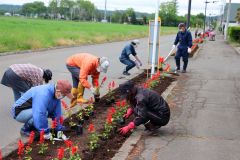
18	34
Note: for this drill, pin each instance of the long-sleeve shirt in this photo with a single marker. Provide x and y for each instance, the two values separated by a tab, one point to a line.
88	66
184	39
148	100
43	103
29	72
127	51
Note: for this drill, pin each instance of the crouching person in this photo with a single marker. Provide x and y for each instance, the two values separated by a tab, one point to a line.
147	105
38	104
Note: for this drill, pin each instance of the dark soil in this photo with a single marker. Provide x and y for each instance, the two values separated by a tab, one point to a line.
107	148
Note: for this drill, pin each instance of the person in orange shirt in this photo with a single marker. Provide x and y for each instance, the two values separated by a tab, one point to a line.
81	65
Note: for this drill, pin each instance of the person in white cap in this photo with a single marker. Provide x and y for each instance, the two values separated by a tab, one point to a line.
81	65
125	59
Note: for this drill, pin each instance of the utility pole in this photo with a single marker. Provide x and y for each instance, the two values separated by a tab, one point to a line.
105	13
189	13
206	2
228	16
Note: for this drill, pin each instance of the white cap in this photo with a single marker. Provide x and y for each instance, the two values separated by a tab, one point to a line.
104	64
135	42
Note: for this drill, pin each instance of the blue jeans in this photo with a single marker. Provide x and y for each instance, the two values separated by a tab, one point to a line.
130	64
75	71
25	116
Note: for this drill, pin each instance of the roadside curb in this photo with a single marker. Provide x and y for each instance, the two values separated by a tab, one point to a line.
131	142
12	146
236	49
199	49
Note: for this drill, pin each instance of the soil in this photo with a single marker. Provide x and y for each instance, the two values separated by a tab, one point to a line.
108	147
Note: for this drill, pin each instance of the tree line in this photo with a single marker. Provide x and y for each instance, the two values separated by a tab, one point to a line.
84	10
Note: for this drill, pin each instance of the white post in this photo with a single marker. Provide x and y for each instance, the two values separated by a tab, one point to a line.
228	16
155	39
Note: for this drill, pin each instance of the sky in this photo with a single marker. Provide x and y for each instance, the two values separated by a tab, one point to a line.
148	6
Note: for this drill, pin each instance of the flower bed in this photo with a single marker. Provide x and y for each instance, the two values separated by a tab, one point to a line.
98	139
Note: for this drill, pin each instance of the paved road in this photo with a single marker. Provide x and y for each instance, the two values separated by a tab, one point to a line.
205	111
55	60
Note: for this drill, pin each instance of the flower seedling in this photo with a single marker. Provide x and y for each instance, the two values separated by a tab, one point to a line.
28	149
108	127
20	149
68	113
73	154
110	97
93	138
99	86
43	146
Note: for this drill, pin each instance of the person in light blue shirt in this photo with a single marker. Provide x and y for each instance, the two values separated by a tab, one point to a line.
38	104
125	59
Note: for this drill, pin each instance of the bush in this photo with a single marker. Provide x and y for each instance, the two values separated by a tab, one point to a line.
234	33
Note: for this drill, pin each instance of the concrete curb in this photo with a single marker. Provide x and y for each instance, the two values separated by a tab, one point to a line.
199	49
130	143
8	149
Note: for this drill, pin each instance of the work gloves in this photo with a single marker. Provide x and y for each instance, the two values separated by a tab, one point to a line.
173	47
138	64
126	129
59	136
129	113
189	50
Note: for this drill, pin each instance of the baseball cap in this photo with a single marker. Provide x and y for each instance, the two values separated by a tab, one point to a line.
104	64
65	88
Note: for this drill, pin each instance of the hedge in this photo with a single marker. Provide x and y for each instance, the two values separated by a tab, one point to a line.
234	33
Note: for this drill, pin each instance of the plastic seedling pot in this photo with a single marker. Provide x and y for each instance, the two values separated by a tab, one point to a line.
79	129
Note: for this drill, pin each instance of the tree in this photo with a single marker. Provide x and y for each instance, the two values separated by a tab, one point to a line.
238	15
168	13
86	10
130	13
34	8
117	17
66	8
54	8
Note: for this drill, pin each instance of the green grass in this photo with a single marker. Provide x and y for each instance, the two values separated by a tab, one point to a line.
18	34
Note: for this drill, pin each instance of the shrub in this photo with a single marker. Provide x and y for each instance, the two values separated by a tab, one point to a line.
234	33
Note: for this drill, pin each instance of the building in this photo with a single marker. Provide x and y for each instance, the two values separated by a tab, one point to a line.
233	13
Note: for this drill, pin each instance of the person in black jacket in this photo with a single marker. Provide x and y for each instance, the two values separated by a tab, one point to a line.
147	105
184	38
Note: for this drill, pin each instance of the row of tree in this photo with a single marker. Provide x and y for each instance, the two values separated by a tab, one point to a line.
84	10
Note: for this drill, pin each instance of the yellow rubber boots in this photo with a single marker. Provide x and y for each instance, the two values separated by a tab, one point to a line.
80	98
74	92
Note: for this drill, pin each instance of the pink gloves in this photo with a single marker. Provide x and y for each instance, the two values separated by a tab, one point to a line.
126	129
129	113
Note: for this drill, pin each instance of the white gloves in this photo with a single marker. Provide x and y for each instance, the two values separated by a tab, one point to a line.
93	90
189	50
173	47
48	136
140	63
62	136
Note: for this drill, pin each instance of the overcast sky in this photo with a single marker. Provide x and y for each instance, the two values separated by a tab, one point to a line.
146	5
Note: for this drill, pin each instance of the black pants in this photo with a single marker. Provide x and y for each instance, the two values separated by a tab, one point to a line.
158	118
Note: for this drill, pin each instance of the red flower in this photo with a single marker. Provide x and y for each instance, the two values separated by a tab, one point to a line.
158	73
167	68
109	119
91	128
54	123
112	110
113	84
161	59
96	84
103	80
109	86
64	104
123	103
68	143
1	155
20	148
31	138
60	154
61	120
41	140
74	149
118	103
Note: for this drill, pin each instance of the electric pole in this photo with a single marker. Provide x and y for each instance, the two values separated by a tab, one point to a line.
189	13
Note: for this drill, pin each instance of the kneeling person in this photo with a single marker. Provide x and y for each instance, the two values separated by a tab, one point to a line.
40	103
147	105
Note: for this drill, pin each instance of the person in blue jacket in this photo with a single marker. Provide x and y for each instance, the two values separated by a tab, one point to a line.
38	104
184	38
125	59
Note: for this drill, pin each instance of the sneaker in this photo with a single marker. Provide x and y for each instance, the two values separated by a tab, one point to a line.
151	127
25	131
177	70
184	71
126	73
